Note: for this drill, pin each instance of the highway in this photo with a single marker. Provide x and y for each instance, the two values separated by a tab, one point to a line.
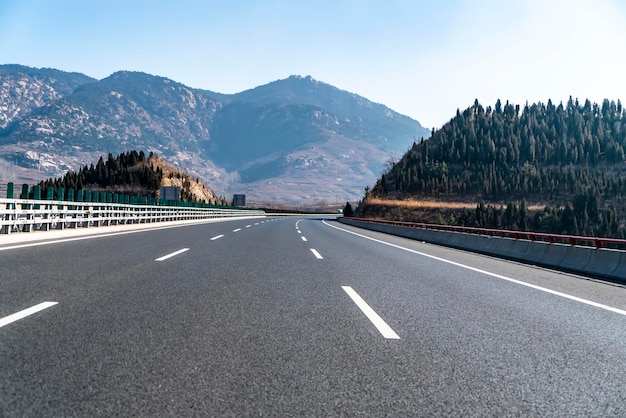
300	317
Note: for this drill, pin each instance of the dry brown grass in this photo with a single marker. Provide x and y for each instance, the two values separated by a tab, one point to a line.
431	204
412	204
198	190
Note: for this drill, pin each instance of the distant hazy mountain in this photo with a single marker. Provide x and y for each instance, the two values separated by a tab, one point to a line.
294	140
357	115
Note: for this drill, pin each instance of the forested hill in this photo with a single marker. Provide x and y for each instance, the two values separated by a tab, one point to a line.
133	173
567	157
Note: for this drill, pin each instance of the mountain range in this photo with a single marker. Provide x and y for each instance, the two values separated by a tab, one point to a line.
294	141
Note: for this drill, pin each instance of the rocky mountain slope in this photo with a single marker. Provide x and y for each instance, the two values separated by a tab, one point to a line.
295	140
25	89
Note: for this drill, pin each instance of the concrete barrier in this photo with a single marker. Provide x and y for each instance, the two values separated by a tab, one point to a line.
506	247
518	249
620	271
476	242
534	252
604	263
418	234
577	258
497	246
432	236
456	239
554	254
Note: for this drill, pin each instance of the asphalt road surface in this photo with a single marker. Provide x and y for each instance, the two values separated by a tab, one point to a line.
300	317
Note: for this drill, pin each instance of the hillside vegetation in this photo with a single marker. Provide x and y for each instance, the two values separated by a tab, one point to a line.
133	173
507	161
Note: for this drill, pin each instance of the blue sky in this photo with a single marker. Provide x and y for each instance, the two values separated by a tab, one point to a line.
421	58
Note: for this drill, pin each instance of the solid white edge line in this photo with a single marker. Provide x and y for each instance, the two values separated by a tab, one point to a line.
316	254
26	312
216	237
498	276
374	318
175	253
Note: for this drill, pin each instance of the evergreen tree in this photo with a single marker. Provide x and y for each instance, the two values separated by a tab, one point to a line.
348	211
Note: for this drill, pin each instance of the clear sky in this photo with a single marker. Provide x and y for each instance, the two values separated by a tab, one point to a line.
422	58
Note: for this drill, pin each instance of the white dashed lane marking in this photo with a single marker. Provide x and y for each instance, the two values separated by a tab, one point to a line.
375	319
24	313
170	255
316	254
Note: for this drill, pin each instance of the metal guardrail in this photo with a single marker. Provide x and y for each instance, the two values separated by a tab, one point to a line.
519	235
27	215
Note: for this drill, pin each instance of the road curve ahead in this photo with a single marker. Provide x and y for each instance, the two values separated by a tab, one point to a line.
300	317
